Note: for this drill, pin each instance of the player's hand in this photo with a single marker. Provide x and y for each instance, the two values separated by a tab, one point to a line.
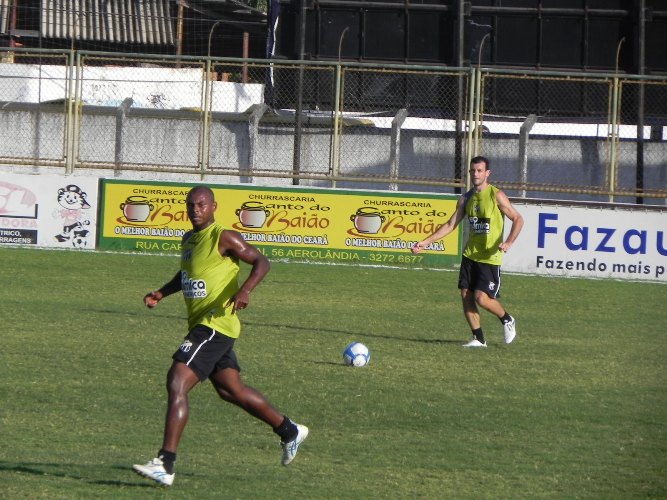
152	298
238	301
417	247
505	246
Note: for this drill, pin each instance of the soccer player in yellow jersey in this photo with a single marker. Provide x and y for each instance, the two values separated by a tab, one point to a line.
486	207
208	279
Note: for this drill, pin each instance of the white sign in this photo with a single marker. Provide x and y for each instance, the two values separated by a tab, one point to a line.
591	242
48	211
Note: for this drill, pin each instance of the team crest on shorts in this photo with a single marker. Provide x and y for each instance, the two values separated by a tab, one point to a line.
185	346
492	285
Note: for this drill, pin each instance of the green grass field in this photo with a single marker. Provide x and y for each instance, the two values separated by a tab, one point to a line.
575	408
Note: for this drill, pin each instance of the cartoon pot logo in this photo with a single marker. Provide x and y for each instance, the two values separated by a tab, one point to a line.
136	208
252	214
367	220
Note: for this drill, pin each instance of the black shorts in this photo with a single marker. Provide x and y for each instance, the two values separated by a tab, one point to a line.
207	352
478	276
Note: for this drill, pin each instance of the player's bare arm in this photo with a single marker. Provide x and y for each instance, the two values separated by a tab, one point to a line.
510	212
151	299
172	286
445	229
232	244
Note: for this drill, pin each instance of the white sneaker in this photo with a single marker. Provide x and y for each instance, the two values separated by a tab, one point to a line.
290	449
475	343
155	470
509	329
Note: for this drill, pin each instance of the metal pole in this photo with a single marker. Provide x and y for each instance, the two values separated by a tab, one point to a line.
256	112
210	37
204	139
335	149
615	96
13	14
614	136
639	181
179	31
121	113
246	53
478	103
458	139
524	131
296	163
395	146
73	109
471	99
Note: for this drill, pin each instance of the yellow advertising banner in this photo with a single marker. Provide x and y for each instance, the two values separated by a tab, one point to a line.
304	224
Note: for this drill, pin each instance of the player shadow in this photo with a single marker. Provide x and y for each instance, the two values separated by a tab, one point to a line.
330	363
310	329
60	470
142	313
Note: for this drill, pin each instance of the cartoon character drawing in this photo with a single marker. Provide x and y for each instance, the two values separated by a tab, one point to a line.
72	197
76	234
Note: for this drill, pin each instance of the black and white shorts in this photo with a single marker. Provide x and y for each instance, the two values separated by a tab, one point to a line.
207	351
479	276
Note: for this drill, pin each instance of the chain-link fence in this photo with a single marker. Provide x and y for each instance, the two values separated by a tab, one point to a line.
640	145
547	133
33	109
583	136
409	128
139	113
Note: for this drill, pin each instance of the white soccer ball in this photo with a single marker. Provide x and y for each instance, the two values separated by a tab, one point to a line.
356	354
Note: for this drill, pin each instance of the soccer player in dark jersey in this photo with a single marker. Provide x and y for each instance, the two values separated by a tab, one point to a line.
208	279
485	207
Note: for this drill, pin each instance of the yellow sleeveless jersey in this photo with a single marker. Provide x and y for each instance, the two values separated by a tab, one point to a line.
486	227
208	281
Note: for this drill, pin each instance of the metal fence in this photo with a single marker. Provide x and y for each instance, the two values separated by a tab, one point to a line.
596	137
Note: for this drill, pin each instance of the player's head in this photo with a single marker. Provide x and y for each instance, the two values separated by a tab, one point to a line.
200	204
479	172
201	189
480	159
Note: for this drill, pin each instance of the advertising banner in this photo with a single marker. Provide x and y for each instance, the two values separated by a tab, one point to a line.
285	223
48	211
591	242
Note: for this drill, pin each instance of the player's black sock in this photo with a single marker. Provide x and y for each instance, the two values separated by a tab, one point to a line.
286	430
478	334
506	319
168	458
